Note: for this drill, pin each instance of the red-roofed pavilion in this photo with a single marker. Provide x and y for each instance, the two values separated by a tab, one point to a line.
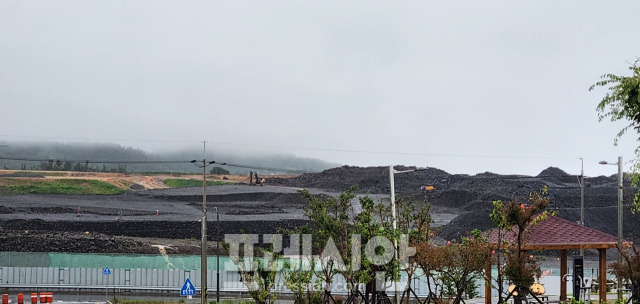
559	234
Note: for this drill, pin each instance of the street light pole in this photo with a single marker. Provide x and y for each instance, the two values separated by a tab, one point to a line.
392	188
581	192
620	198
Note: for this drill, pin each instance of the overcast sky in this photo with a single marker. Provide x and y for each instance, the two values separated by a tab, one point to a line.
464	86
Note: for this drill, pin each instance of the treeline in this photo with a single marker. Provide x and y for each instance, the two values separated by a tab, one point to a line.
58	165
109	157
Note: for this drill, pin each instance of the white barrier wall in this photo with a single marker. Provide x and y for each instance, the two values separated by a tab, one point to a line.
143	279
86	277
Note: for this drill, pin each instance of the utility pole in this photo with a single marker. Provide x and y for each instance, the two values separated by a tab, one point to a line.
203	261
581	197
218	257
203	257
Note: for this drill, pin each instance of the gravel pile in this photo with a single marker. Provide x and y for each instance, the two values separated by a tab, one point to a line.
472	196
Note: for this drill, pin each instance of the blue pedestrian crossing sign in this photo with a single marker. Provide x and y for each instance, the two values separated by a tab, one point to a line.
106	271
188	289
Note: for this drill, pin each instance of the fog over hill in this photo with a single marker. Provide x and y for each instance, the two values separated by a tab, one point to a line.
114	157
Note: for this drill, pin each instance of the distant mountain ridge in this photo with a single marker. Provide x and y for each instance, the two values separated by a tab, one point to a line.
116	156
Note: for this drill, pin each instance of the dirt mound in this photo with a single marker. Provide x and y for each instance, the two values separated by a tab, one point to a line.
74	242
553	171
473	195
365	179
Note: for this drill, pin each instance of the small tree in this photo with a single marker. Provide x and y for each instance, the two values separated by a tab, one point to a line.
299	271
329	218
517	220
498	218
259	274
457	264
341	233
629	270
414	221
298	276
219	171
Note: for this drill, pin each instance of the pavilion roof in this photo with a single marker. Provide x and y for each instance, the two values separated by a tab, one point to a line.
558	233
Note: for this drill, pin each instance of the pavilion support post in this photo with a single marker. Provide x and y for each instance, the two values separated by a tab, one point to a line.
563	272
487	283
602	275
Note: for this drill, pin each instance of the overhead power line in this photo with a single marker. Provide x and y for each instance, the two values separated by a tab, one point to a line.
155	162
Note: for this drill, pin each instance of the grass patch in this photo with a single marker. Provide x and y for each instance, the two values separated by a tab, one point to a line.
185	183
60	186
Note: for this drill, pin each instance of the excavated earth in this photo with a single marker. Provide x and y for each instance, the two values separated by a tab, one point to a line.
143	220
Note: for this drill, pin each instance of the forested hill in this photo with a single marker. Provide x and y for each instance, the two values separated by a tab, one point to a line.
116	158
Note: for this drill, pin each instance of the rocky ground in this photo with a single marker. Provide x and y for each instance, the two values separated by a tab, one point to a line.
142	221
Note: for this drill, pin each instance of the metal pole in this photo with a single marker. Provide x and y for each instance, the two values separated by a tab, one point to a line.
620	198
218	257
203	261
392	187
581	197
393	196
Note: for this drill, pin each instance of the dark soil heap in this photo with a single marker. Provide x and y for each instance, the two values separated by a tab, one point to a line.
473	196
134	222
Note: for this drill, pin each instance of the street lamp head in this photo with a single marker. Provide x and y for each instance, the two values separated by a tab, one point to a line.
193	161
603	162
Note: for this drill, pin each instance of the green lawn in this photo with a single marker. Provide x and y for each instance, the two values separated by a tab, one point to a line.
184	183
61	186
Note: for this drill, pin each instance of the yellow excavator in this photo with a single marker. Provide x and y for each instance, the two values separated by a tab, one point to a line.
427	188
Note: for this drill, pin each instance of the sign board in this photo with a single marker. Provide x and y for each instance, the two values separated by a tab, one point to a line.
578	276
106	271
188	289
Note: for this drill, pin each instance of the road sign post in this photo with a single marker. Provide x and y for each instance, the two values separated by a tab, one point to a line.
187	288
106	272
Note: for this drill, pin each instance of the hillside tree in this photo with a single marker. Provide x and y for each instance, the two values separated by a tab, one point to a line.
622	102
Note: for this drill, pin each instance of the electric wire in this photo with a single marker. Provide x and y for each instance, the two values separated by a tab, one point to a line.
196	163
